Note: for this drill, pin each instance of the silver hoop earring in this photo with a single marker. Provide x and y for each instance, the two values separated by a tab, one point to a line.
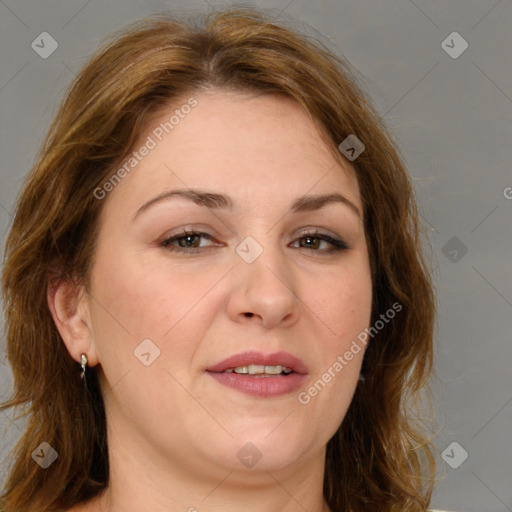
83	364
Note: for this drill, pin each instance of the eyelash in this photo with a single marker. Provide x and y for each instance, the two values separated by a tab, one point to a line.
338	245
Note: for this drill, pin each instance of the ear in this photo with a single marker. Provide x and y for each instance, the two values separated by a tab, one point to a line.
70	308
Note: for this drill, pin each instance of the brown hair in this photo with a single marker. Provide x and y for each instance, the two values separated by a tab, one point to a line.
379	459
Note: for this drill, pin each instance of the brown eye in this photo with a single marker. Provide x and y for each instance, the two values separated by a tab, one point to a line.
320	242
310	242
189	241
185	241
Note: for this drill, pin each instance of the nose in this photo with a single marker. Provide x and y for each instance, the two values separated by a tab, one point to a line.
264	291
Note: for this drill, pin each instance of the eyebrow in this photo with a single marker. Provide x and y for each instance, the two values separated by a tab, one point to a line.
306	203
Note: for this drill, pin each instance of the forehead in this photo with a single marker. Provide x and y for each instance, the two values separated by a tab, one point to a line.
257	146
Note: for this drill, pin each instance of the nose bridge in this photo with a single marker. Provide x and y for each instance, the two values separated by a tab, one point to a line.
264	283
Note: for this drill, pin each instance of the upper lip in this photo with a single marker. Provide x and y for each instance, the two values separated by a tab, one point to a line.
259	358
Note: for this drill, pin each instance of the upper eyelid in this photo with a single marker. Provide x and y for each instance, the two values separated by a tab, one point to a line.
304	232
185	233
300	232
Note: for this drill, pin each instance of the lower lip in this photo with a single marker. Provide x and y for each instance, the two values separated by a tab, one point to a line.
263	387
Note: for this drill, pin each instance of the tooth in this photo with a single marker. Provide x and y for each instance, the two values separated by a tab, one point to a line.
273	370
259	369
256	369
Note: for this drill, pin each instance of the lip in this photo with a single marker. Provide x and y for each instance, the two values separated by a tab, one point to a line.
263	387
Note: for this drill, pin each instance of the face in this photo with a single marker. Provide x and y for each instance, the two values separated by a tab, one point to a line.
237	241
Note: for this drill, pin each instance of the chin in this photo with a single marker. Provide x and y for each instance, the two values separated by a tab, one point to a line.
268	449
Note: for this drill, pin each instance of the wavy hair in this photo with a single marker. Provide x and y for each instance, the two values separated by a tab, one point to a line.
380	458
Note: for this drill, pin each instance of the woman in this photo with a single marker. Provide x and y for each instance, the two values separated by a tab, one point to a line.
214	292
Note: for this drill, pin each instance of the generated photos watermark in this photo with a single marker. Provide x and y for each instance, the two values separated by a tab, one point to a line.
151	142
304	397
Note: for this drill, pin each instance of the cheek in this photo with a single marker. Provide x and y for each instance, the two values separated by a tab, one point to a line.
343	313
342	303
135	294
137	300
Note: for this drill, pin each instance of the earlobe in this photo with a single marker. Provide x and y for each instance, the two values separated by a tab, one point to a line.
69	306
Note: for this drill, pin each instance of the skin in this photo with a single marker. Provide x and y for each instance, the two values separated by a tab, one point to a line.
174	432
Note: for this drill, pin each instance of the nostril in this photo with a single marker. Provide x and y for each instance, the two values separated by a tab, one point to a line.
249	315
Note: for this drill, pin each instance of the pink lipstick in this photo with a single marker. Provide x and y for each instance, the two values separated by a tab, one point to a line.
259	374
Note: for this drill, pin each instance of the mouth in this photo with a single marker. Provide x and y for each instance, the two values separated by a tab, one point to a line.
258	363
260	370
262	375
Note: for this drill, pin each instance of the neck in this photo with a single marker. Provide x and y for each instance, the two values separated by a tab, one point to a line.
139	480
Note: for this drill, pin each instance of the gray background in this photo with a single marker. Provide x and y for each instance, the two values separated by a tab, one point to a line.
451	116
